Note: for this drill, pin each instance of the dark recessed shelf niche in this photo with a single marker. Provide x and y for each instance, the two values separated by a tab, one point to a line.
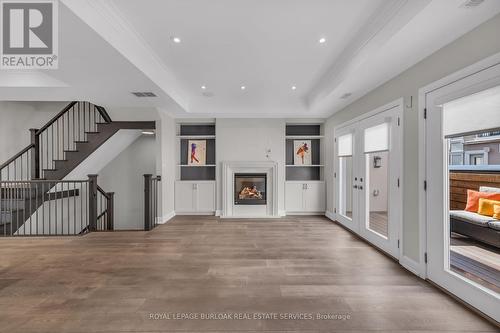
197	130
303	130
310	132
192	132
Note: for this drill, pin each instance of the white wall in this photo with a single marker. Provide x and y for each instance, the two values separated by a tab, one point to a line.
468	49
124	176
248	140
166	164
16	118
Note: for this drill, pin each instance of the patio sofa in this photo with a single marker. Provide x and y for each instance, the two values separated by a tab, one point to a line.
482	228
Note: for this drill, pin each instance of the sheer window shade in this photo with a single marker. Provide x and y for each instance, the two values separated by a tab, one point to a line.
377	138
472	114
345	145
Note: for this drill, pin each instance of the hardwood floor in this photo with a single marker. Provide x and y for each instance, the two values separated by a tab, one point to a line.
114	282
476	261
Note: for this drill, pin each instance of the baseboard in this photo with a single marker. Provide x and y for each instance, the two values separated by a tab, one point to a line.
304	213
165	218
411	265
196	213
331	215
218	212
282	213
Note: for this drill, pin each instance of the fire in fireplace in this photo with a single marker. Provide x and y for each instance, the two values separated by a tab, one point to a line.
250	188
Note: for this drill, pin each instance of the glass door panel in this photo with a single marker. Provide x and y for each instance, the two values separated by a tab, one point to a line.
367	186
377	193
463	177
346	186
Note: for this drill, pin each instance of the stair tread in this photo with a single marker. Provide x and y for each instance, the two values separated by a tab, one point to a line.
92	132
63	160
49	169
83	141
70	151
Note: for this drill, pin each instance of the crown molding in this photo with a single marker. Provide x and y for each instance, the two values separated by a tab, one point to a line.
383	24
105	18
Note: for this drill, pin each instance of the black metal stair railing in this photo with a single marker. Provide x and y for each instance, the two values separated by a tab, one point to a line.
54	207
43	207
151	201
105	203
18	167
63	133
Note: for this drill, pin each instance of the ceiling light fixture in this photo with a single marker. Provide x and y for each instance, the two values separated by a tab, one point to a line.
243	87
176	40
322	40
203	87
294	87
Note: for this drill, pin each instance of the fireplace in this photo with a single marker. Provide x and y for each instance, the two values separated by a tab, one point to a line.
250	188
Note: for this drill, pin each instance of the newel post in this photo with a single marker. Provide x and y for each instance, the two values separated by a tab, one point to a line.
92	202
35	156
147	201
111	210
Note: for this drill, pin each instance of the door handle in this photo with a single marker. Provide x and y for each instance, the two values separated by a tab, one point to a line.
355	186
195	186
360	187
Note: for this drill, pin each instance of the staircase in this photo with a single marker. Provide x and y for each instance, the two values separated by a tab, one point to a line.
35	199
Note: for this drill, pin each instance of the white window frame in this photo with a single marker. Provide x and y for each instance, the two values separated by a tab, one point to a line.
484	152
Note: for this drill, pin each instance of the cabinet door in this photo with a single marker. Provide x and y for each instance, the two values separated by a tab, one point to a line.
315	194
294	197
184	197
205	197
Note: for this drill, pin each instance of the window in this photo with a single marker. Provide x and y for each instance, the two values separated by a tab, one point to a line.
477	159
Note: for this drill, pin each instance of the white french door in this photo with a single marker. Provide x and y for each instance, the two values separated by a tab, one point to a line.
461	109
368	177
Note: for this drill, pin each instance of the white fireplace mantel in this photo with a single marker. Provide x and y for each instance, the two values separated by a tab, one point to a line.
229	209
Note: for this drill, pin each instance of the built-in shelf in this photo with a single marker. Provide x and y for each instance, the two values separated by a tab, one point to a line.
195	137
304	137
313	134
195	166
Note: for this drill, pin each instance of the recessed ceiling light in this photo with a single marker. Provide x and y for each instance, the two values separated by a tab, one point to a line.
243	87
322	40
203	87
176	40
294	87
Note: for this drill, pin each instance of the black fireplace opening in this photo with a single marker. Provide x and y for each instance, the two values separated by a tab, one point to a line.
250	188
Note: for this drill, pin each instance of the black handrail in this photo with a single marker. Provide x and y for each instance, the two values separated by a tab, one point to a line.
104	114
10	160
57	116
102	192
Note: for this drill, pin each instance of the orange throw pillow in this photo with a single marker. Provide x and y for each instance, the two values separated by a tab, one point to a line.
474	196
496	212
486	207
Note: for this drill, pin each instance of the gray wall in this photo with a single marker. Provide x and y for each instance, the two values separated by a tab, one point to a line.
124	176
476	45
248	140
16	118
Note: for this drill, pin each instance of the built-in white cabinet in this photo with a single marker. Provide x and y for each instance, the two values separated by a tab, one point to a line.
194	197
305	197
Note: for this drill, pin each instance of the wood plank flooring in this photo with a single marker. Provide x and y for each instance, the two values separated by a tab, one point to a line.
476	261
295	266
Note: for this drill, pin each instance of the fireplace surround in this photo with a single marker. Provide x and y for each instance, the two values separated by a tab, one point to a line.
261	201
